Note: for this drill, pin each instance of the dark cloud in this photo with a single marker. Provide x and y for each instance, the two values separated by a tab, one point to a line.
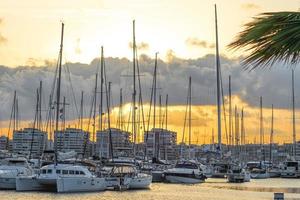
143	46
274	85
195	42
250	6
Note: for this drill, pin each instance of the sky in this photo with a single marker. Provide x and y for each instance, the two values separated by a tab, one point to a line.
30	29
183	32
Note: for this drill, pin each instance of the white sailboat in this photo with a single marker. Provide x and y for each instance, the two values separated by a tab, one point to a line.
185	172
125	176
238	174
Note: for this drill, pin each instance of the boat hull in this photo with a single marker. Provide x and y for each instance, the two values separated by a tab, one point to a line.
30	183
7	183
143	182
157	176
80	184
181	179
260	176
238	178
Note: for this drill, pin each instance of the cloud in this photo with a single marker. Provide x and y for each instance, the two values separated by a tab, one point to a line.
195	42
273	85
143	46
250	6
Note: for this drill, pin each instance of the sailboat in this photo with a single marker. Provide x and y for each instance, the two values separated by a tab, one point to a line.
186	171
50	176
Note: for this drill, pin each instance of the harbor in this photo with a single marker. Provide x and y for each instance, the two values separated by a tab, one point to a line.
148	126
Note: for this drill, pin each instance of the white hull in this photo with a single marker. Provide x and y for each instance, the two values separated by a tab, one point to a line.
7	183
238	178
142	182
80	184
30	183
180	179
260	176
289	174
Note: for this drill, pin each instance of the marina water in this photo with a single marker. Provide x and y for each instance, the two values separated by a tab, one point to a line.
212	189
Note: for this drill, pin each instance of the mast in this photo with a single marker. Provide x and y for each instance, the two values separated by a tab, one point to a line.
261	130
230	114
167	96
190	114
59	77
218	83
64	113
294	115
81	111
154	108
134	91
271	135
120	120
101	91
15	111
40	107
94	114
109	95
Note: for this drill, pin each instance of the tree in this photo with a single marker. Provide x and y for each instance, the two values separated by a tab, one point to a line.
269	38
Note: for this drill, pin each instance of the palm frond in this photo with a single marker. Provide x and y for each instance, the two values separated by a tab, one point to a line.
270	37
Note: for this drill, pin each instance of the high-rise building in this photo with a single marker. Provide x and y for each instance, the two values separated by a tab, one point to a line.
160	143
3	142
120	141
72	139
29	140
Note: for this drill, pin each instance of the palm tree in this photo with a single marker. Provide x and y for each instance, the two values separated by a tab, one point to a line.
269	38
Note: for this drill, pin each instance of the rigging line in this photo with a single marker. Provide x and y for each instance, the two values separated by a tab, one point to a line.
108	114
150	108
140	90
223	105
89	123
34	122
185	117
9	126
67	69
51	103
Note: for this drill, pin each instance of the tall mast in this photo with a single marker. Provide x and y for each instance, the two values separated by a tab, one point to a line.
94	115
160	113
134	91
272	134
64	113
261	123
190	114
40	106
14	111
120	120
294	116
109	95
230	113
59	77
154	91
218	82
261	130
101	91
81	111
167	99
235	123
